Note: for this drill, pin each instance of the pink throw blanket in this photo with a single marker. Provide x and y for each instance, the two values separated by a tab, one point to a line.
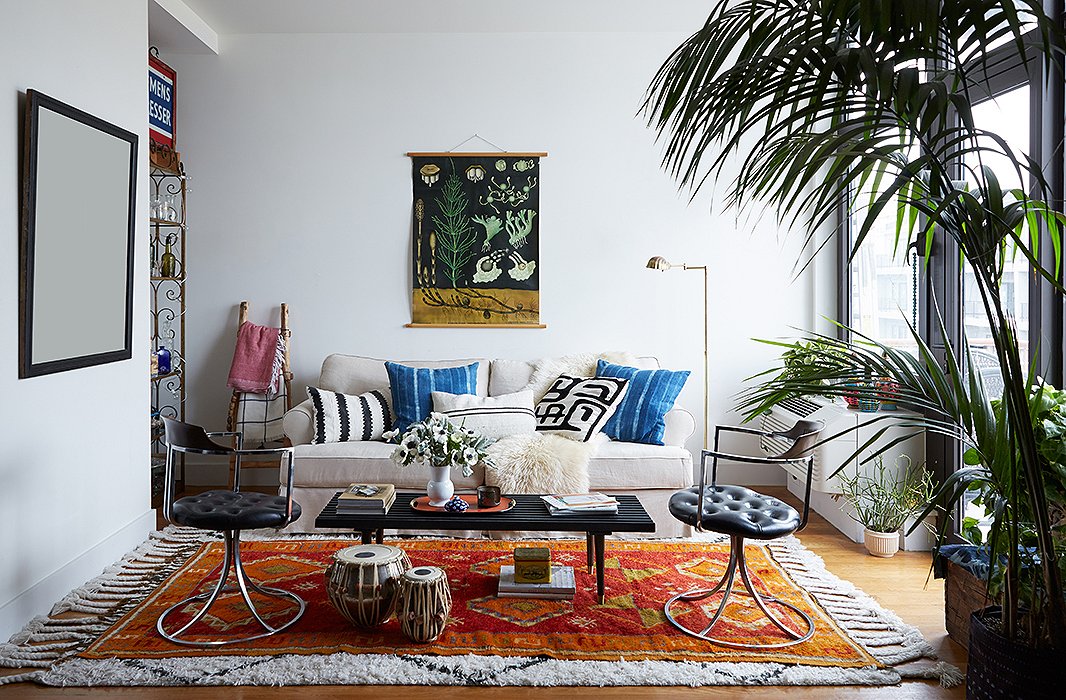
257	359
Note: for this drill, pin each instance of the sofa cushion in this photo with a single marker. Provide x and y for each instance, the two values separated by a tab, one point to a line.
509	376
651	393
621	466
338	464
493	417
413	387
352	374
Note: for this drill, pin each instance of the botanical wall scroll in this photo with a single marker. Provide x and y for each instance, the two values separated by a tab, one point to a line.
476	248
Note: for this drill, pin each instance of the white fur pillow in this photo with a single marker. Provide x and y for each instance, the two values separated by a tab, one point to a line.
580	365
494	417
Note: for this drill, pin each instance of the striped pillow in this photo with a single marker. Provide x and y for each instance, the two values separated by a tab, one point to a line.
412	387
343	418
652	392
493	417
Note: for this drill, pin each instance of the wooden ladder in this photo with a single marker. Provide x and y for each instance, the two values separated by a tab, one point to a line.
286	375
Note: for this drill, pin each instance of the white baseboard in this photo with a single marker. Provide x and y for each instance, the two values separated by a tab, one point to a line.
39	598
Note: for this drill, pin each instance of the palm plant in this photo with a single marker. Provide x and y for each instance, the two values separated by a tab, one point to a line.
814	101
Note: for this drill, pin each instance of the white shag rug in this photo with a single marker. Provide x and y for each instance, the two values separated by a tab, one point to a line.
46	649
541	463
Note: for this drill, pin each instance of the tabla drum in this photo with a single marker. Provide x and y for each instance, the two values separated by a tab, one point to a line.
424	603
362	582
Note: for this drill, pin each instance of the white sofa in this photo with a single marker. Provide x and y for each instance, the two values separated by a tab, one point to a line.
651	472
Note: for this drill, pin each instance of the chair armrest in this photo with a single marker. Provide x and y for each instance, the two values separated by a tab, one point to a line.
680	425
298	424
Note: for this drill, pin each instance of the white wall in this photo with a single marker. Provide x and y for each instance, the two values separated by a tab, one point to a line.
74	486
300	192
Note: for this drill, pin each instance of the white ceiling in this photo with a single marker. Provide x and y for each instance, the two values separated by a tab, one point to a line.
398	16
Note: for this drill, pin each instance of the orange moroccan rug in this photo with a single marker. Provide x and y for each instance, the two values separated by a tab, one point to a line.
103	633
630	625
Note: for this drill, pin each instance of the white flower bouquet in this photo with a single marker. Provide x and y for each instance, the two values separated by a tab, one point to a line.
437	442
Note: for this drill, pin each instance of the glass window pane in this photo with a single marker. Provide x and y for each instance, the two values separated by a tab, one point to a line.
884	284
1008	116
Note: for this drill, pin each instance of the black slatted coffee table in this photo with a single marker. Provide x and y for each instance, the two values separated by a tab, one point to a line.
529	514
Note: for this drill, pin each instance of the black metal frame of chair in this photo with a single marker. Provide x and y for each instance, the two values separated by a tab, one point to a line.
192	439
804	436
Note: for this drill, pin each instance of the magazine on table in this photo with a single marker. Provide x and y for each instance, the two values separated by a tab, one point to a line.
579	503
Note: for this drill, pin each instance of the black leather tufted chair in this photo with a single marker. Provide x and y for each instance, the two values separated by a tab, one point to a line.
228	512
745	514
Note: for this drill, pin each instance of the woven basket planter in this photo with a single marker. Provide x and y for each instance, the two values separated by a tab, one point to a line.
1003	668
964	594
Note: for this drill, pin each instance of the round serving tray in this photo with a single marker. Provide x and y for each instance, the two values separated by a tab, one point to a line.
421	504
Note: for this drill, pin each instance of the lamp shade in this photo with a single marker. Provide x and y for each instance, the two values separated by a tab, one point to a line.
659	263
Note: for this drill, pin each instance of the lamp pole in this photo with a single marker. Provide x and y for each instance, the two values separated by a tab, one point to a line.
660	263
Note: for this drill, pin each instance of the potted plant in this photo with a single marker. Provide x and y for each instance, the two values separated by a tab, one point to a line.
882	500
814	106
440	445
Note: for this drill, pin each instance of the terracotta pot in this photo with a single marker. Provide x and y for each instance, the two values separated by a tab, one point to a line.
881	544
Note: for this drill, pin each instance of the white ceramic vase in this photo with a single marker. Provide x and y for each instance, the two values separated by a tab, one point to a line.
440	488
881	544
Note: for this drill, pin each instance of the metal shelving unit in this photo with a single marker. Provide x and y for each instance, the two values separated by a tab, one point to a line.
168	234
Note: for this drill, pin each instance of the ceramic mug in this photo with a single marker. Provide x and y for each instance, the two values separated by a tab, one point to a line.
488	496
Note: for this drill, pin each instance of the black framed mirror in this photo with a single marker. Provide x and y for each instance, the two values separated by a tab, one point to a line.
79	193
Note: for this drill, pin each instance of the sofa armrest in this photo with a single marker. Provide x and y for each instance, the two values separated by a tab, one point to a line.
298	424
680	424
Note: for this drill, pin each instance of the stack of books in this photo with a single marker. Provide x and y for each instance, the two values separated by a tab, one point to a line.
579	503
561	586
368	499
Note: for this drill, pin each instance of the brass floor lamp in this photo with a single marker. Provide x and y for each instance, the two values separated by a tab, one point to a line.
661	263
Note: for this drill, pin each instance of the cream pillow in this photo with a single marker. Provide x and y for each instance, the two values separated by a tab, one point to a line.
494	417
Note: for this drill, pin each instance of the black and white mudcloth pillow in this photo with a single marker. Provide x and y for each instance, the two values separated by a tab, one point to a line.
344	418
578	407
493	417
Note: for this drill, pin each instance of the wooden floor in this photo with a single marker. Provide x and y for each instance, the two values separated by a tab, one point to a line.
900	584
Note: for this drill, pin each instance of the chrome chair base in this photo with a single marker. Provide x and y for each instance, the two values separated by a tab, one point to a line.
738	562
232	559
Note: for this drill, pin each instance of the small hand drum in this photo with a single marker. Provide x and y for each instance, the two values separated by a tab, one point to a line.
362	582
424	603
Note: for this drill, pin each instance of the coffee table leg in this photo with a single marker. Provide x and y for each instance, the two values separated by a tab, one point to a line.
368	535
380	535
599	568
590	550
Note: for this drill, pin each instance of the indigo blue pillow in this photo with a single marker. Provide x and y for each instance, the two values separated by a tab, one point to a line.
412	388
651	393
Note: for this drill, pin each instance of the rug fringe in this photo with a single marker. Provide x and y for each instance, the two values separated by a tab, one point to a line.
48	640
884	634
